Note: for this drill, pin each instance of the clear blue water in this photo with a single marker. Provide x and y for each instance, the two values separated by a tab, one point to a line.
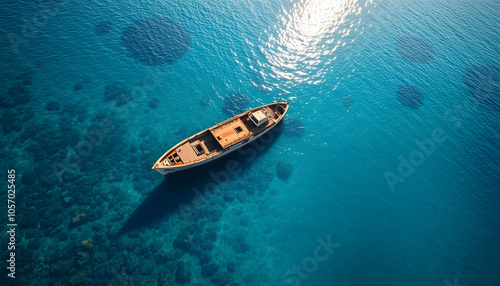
393	214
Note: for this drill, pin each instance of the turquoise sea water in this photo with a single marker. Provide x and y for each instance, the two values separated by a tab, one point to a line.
385	170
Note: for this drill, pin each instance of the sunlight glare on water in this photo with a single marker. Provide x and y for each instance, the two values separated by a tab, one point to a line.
300	48
388	151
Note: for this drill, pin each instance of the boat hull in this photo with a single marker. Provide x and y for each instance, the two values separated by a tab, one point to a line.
169	170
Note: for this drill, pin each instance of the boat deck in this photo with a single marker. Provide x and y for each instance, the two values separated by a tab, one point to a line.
215	140
208	146
230	133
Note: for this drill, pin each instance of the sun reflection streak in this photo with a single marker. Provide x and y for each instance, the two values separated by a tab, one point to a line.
306	37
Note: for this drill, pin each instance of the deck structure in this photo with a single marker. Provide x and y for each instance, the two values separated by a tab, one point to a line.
221	139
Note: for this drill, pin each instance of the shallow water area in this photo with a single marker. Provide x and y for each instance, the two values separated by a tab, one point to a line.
384	171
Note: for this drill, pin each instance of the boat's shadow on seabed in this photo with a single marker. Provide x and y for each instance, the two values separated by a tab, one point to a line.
177	189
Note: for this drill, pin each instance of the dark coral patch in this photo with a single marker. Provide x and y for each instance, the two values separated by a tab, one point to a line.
11	121
20	93
205	100
293	128
6	101
284	170
235	104
52	106
118	92
16	94
103	27
154	103
164	278
27	113
78	86
410	96
484	84
183	273
26	78
222	277
239	243
209	269
28	179
347	101
415	49
156	40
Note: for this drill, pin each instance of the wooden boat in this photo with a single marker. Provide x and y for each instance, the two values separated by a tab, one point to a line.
221	139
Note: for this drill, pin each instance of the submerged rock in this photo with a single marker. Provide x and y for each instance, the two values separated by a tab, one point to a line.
183	273
154	103
34	244
148	267
28	113
229	196
410	96
28	177
118	92
88	245
48	179
205	100
284	170
60	268
156	40
244	220
231	266
205	257
215	214
209	269
347	101
293	128
30	220
78	218
11	122
16	94
68	201
222	277
78	86
80	278
52	106
184	240
156	245
164	256
240	245
164	279
82	259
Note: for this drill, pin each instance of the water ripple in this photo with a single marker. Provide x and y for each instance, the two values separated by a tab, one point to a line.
299	49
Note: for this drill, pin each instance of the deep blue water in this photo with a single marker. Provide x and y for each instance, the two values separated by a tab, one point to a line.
385	171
